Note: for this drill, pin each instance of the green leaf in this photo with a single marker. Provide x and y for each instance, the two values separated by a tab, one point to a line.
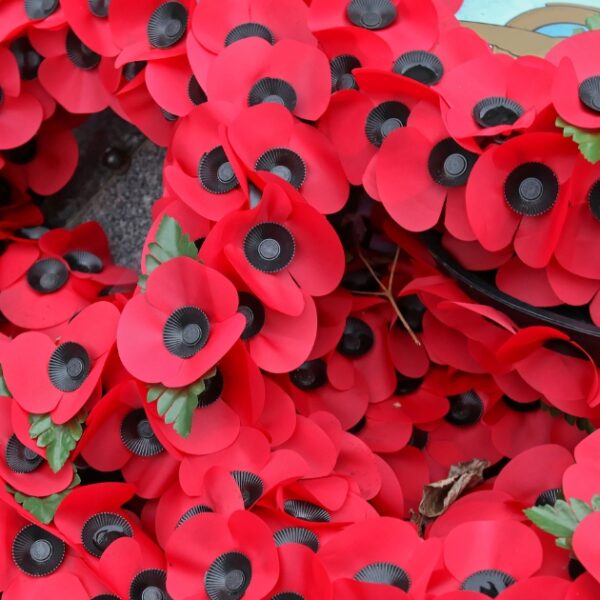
580	509
44	509
3	388
58	440
588	141
177	405
170	242
596	503
593	22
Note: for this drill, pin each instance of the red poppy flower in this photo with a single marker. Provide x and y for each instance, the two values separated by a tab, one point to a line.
16	209
204	173
413	22
358	122
585	587
524	181
186	332
420	168
349	48
63	376
22	467
17	15
149	30
20	113
348	589
472	256
278	418
383	551
173	86
86	250
123	426
48	160
212	555
581	480
267	138
70	72
290	73
584	544
490	556
332	312
575	92
233	397
272	248
504	95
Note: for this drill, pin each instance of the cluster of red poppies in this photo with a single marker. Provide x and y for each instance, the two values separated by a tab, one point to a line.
292	402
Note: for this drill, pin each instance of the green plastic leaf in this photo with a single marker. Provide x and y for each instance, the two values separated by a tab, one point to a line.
593	22
3	388
588	141
580	509
44	509
596	502
177	405
58	440
170	242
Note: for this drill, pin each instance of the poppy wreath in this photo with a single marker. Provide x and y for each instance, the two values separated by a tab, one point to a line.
359	359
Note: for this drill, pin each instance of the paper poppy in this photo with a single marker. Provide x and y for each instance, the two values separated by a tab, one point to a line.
409	23
420	169
267	138
524	181
149	31
136	451
213	555
187	332
20	113
204	172
580	480
272	248
576	91
70	72
291	73
504	95
490	556
66	373
233	397
359	121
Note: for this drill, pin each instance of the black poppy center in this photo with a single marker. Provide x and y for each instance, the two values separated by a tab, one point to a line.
99	8
131	69
167	25
357	339
589	93
418	438
521	406
386	574
40	9
37	552
20	458
288	596
449	164
594	200
341	72
412	310
371	14
186	331
213	388
195	93
150	584
406	385
27	57
269	247
81	55
274	91
494	111
215	172
531	189
465	409
384	119
306	511
101	530
251	486
31	233
549	497
21	155
198	509
254	312
84	261
488	582
310	375
284	163
297	535
137	435
228	577
68	366
421	66
247	30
